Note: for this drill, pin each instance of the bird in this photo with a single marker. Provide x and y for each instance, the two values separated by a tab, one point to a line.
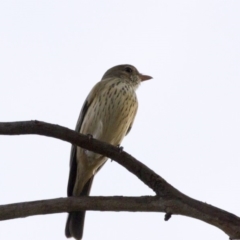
107	114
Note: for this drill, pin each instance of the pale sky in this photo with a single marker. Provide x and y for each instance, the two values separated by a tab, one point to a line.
187	126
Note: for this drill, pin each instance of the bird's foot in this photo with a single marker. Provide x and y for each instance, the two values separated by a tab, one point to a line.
120	148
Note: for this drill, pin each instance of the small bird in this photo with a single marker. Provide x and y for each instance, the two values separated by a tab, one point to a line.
107	115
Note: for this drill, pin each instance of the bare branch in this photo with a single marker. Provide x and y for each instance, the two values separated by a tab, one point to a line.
60	205
174	201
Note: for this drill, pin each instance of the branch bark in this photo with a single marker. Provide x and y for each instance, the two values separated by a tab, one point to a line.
60	205
168	199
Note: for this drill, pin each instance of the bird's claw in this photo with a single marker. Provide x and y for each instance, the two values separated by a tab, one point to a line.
120	148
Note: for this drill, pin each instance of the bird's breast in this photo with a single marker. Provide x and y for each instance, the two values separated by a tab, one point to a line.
111	112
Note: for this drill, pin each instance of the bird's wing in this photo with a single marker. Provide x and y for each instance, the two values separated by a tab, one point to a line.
129	129
73	161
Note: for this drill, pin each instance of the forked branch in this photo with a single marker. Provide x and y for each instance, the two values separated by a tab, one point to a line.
168	199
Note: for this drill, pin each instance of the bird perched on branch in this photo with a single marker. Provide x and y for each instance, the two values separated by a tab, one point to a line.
107	115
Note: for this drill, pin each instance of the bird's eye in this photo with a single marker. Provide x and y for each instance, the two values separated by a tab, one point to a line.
128	70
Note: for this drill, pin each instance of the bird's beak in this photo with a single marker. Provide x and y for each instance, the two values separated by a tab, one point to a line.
144	77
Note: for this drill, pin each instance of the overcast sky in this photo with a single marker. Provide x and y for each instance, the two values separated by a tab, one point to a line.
187	126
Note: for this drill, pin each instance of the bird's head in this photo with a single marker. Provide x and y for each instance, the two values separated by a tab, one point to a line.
127	73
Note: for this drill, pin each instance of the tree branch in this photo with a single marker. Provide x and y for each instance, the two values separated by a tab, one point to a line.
171	200
60	205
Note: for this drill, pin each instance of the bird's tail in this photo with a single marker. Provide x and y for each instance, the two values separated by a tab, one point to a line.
75	224
75	220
